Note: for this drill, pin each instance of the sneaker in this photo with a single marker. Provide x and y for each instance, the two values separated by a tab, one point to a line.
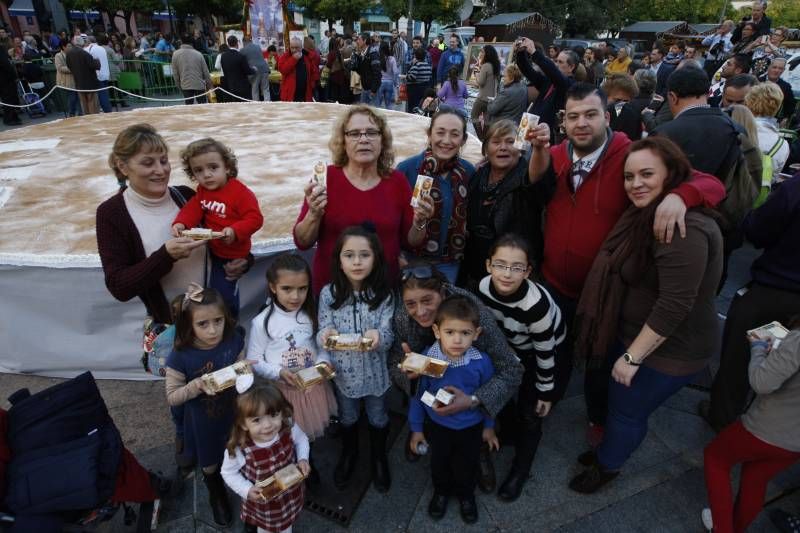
469	509
588	458
437	506
785	522
592	479
708	522
594	435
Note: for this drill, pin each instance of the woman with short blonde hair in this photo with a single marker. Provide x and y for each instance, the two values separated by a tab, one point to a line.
765	100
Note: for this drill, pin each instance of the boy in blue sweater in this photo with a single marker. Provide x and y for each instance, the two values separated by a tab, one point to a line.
455	440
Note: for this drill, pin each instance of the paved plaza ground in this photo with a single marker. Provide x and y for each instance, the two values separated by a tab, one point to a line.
660	489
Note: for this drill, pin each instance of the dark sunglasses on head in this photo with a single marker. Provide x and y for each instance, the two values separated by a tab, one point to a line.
417	272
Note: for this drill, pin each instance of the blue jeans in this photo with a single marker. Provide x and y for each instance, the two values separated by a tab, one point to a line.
386	95
628	411
105	98
367	98
228	289
350	409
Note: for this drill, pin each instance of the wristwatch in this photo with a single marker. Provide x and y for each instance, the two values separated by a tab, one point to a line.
474	401
630	360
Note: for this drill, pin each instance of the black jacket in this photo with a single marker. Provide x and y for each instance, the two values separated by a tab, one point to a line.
83	67
549	102
237	72
661	77
629	118
762	28
707	136
368	67
517	207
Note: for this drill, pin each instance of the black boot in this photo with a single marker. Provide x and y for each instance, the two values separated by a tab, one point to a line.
379	462
486	476
527	442
348	457
218	498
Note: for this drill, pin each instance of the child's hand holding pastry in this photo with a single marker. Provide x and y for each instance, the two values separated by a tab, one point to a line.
228	235
177	229
254	494
304	466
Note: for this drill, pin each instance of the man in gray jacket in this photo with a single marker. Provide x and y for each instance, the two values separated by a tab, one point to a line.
259	80
190	71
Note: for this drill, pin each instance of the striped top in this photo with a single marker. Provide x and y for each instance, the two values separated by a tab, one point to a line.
532	324
420	72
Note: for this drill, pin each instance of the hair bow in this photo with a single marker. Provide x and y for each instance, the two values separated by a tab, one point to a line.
244	382
194	293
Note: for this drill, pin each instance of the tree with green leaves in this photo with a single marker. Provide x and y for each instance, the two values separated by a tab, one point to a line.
115	9
444	11
348	11
395	10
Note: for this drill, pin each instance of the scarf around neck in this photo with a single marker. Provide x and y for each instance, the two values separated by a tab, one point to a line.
455	172
598	310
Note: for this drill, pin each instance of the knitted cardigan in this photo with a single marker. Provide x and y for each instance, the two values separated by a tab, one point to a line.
128	272
508	370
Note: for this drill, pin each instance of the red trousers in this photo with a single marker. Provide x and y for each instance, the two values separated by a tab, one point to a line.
760	463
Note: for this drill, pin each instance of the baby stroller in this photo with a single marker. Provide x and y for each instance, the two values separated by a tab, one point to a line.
68	468
31	98
427	107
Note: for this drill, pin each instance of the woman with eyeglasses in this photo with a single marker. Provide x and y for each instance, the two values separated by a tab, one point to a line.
361	186
444	228
765	49
422	289
501	199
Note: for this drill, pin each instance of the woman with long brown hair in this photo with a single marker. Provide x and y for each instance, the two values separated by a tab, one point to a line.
647	308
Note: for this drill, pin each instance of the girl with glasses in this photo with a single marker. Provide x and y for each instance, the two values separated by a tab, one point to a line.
531	321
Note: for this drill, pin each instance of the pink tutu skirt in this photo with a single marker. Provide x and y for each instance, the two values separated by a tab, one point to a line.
313	407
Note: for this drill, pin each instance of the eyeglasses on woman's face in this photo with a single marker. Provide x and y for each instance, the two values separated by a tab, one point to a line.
355	135
514	270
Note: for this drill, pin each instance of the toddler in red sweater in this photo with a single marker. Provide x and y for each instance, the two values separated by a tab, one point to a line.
223	204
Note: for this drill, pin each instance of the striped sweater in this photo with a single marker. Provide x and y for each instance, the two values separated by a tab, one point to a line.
532	323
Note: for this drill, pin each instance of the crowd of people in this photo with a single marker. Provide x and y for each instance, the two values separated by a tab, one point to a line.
596	252
599	248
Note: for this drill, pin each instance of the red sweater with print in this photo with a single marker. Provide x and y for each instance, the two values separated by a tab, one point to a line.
231	206
578	223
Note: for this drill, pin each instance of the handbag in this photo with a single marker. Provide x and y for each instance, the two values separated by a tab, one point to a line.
355	83
157	342
324	75
402	93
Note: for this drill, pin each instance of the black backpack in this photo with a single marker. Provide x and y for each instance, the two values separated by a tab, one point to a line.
65	449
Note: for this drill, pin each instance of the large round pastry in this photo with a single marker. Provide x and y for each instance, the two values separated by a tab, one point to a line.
57	317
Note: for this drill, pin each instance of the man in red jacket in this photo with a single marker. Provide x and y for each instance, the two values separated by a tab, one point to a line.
299	71
588	200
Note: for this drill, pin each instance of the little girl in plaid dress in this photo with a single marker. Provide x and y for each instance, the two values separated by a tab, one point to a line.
264	440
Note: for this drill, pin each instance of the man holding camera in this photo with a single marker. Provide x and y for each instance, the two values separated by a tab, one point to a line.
719	46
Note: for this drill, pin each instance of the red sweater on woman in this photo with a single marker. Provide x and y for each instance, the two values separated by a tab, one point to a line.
578	223
387	206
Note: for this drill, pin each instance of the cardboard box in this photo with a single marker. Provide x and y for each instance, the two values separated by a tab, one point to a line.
773	330
320	172
428	399
312	375
527	122
225	378
201	234
348	341
422	188
422	364
281	481
444	397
